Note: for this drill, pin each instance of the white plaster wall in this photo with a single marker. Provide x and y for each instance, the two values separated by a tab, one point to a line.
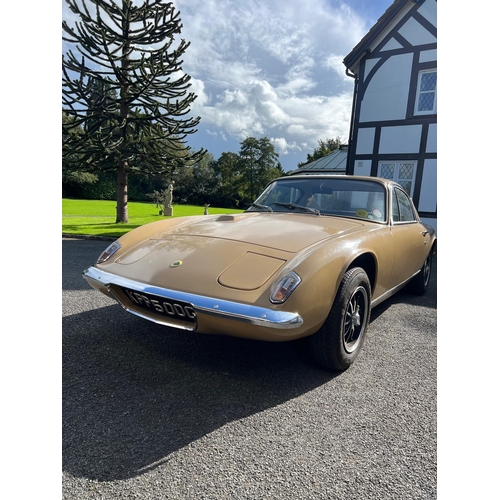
428	55
400	139
391	45
429	10
369	64
431	146
362	167
386	97
366	139
415	33
428	191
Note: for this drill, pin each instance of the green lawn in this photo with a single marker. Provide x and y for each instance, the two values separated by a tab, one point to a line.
97	217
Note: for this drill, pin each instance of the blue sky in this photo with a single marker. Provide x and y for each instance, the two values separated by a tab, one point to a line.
272	68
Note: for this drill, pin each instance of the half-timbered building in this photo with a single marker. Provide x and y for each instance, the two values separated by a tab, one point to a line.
394	115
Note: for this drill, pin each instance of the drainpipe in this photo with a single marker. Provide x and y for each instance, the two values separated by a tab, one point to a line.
351	128
354	99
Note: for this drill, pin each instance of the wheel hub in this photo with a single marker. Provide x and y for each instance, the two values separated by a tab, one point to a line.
356	318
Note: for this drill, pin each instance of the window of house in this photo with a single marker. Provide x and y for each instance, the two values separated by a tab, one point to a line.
402	172
425	103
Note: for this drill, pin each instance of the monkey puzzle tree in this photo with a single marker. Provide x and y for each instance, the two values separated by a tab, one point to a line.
125	88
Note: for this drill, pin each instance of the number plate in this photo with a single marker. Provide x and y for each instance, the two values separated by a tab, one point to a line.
176	309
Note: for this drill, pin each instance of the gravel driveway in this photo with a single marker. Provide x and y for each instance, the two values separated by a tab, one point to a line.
151	412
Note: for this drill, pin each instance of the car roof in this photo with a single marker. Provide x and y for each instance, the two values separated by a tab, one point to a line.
380	180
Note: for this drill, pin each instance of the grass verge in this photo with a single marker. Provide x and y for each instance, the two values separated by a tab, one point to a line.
97	217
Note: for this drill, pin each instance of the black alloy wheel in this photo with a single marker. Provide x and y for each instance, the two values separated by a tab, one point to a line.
420	283
337	343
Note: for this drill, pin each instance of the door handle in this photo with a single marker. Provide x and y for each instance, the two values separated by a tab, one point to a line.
425	233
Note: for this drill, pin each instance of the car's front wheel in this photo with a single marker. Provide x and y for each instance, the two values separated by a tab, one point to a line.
337	343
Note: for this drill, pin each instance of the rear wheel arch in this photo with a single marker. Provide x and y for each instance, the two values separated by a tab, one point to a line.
434	248
420	283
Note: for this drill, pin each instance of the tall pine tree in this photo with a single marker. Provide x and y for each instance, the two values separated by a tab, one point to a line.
123	85
258	165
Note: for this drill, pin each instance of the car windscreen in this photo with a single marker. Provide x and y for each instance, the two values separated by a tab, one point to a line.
336	196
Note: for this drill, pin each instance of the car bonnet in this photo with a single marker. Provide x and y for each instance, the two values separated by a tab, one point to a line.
236	251
286	232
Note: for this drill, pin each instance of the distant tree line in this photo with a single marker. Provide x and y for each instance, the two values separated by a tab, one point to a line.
232	181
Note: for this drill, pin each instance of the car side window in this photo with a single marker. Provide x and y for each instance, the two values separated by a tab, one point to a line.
395	208
404	208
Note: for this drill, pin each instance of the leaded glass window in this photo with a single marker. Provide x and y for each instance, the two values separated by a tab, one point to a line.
403	172
386	170
426	93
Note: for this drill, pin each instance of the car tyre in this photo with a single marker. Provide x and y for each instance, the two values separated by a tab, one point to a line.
420	283
337	343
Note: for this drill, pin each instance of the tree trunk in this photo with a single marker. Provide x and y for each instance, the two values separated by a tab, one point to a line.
122	171
122	194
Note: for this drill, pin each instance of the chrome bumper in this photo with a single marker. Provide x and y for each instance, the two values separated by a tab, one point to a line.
254	315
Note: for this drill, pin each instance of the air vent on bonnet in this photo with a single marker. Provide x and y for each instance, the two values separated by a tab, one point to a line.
231	217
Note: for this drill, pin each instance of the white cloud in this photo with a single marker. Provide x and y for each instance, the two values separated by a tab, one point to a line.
257	109
335	62
270	68
198	87
283	147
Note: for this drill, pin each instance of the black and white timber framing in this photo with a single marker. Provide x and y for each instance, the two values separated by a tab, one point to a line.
394	115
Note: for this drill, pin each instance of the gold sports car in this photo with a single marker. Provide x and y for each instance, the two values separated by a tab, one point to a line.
309	258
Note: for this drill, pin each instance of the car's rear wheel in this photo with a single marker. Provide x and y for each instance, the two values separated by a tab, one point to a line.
420	283
337	343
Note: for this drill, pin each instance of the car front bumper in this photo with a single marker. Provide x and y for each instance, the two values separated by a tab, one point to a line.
111	285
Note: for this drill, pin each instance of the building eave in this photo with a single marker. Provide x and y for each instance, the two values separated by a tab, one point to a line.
363	47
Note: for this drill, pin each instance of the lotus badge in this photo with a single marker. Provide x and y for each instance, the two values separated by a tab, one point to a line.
177	263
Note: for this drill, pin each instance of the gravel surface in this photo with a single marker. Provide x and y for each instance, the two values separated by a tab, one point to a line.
150	412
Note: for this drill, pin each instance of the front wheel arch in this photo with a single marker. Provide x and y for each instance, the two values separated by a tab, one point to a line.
368	263
337	343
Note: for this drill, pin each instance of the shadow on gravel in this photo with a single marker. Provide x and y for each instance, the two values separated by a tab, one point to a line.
428	300
78	255
135	392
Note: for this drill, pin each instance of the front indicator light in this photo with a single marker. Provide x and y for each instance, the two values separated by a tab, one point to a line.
284	288
113	248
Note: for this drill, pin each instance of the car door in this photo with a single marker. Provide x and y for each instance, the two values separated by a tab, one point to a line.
411	238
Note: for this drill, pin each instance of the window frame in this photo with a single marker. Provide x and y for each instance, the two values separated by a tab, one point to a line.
394	201
396	177
433	111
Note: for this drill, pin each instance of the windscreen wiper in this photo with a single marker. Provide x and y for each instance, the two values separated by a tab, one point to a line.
294	205
262	207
